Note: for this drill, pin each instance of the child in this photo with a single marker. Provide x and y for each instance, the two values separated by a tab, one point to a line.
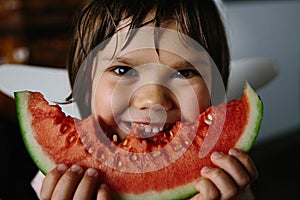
145	76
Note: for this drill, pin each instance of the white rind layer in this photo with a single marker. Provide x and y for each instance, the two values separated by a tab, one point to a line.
43	162
256	113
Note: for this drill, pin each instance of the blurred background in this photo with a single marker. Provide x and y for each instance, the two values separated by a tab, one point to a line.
38	32
33	32
271	29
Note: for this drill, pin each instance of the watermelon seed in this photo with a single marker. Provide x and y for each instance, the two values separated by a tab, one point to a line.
91	150
115	138
83	139
71	139
178	147
100	155
64	129
208	122
171	133
133	157
119	164
186	142
125	142
156	154
209	117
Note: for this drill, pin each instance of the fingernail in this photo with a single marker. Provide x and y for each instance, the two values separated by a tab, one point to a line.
75	168
234	152
216	155
91	172
205	169
61	167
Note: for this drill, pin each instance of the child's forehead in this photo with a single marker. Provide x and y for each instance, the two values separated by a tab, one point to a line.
165	42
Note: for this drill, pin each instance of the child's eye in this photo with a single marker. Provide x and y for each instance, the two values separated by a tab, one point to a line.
124	71
185	73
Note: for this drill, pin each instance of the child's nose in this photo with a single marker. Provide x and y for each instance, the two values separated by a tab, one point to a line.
153	96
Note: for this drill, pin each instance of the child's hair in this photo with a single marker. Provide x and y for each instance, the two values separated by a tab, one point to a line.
199	19
99	20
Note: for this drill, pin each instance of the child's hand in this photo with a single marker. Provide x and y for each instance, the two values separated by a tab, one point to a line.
73	183
235	171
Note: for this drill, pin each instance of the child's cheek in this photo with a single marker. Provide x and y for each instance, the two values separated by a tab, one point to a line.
193	100
109	103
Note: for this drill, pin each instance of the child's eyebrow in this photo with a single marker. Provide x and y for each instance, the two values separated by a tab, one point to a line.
196	63
199	62
124	60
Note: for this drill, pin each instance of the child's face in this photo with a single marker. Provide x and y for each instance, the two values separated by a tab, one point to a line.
147	88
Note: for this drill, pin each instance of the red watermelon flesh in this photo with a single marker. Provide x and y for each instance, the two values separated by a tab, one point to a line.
165	166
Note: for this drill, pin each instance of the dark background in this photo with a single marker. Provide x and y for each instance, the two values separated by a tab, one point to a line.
33	32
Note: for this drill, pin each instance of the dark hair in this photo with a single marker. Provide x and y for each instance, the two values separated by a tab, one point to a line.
199	19
98	21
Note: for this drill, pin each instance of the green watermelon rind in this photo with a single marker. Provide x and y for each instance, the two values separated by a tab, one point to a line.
178	193
245	143
248	137
44	163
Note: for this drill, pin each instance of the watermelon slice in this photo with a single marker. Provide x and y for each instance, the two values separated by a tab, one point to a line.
165	167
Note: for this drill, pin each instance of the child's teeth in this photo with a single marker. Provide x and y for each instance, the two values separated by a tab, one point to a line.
155	130
147	128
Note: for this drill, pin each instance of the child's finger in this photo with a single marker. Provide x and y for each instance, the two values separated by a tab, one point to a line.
51	180
67	183
232	167
87	185
247	162
103	192
226	186
206	189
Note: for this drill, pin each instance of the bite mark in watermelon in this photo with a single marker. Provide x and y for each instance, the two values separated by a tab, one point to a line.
134	169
